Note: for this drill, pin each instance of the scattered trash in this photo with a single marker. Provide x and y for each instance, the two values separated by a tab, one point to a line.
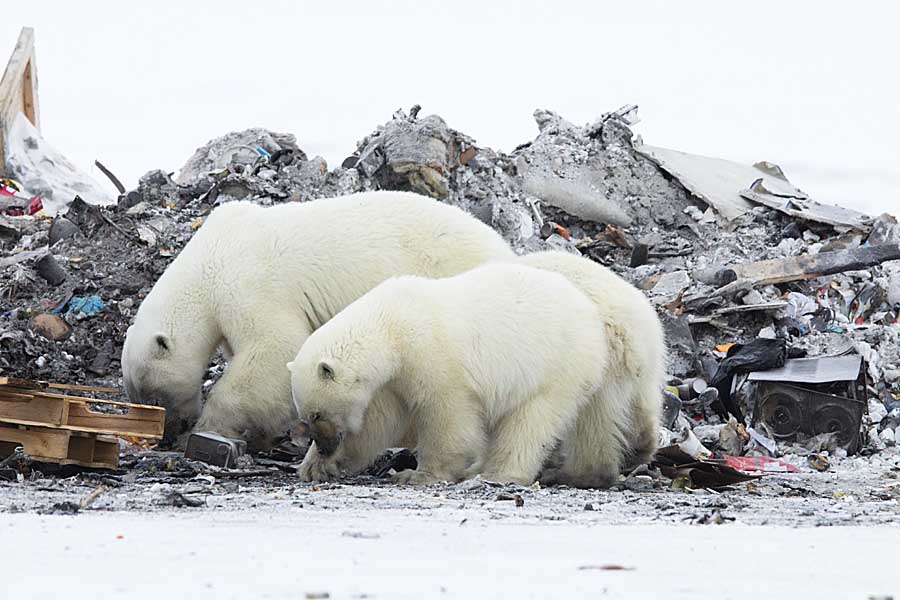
181	500
686	471
87	306
393	459
605	568
713	518
761	464
53	327
756	355
812	396
214	449
745	269
819	462
515	498
359	535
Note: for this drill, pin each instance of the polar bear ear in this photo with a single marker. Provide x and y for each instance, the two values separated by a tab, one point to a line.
290	366
325	370
163	343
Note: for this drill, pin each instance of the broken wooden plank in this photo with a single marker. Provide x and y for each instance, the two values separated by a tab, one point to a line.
37	408
61	446
810	266
39	384
18	87
743	308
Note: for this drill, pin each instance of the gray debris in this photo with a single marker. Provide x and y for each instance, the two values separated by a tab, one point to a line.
582	189
236	148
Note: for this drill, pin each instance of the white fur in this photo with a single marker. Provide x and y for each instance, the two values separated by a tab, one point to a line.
620	425
493	366
617	429
258	281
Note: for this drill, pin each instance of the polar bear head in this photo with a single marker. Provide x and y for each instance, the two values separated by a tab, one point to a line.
158	370
331	398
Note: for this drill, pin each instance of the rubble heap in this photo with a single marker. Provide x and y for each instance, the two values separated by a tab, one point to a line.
69	286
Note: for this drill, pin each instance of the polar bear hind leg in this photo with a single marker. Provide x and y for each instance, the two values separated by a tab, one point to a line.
594	450
522	440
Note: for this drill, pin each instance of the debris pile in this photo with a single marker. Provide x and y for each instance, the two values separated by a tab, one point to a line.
747	272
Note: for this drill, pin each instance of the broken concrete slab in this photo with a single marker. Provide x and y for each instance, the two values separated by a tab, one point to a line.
595	172
716	181
415	154
575	196
802	207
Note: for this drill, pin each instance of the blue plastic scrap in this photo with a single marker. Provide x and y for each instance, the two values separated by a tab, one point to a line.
87	306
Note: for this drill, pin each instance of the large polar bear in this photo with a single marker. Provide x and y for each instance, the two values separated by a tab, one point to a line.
258	281
493	365
617	428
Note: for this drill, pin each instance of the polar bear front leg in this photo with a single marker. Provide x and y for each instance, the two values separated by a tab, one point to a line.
253	400
524	438
319	467
451	437
386	422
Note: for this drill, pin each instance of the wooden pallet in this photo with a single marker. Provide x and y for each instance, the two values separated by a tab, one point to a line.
61	446
70	430
28	403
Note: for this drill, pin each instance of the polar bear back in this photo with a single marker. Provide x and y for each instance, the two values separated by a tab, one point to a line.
508	330
247	259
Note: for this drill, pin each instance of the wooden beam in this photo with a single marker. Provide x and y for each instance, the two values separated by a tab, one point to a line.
809	266
19	88
34	384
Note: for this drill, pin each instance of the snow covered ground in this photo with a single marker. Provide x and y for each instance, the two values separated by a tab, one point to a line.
298	553
800	535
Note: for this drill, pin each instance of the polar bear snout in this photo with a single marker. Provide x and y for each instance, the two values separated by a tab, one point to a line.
325	433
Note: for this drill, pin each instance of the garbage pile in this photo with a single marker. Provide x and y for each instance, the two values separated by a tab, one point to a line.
748	273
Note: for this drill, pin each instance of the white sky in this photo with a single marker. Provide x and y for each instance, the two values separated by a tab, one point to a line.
813	86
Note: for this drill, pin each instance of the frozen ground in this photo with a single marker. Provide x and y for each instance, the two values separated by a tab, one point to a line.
809	534
295	552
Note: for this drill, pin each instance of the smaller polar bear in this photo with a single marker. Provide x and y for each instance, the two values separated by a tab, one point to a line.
624	413
493	365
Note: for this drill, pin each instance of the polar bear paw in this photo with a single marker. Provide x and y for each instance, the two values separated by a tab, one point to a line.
416	477
506	478
316	467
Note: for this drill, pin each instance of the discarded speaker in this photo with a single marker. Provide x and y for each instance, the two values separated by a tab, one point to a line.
811	396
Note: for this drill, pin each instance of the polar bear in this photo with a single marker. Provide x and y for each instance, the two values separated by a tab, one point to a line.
258	281
493	365
617	429
635	375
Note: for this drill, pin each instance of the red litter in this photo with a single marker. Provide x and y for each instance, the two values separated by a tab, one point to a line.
763	464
